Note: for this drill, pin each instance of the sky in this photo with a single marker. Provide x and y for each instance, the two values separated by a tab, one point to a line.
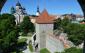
56	7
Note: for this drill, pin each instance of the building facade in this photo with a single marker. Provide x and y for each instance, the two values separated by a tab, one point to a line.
19	12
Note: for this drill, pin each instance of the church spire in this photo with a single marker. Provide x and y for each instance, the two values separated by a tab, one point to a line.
18	3
12	10
38	11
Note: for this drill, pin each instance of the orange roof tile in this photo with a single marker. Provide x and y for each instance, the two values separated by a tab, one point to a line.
44	18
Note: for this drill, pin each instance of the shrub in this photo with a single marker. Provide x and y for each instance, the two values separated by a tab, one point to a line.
21	42
31	47
72	50
44	51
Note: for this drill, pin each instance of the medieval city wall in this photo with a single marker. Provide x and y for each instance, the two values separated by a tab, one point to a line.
54	45
42	30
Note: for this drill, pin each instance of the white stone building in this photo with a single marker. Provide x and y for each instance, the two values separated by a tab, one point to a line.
19	13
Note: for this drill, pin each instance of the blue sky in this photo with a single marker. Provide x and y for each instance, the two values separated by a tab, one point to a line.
52	6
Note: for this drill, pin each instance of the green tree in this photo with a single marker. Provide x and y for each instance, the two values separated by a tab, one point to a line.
72	50
61	23
27	26
8	33
75	31
2	2
57	23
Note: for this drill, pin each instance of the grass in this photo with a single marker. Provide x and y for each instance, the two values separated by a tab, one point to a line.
30	47
72	50
44	51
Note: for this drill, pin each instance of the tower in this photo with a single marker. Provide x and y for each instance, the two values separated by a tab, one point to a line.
18	6
38	11
19	12
44	26
12	10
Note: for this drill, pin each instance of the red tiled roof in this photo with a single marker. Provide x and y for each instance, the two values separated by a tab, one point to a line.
44	18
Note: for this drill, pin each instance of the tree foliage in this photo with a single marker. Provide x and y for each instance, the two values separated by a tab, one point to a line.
2	2
26	26
76	32
72	50
8	33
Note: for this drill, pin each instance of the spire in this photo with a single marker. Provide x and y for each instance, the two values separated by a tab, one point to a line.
38	9
38	12
18	4
12	10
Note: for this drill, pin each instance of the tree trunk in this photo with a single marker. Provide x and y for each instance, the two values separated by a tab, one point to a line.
2	2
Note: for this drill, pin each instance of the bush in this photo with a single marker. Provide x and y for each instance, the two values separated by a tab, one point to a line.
44	51
72	50
31	47
17	52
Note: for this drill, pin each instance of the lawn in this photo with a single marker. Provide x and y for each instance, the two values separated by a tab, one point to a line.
44	51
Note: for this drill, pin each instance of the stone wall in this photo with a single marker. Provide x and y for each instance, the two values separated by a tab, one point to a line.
42	30
54	45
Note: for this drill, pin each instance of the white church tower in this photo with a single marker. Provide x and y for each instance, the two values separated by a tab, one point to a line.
38	12
44	27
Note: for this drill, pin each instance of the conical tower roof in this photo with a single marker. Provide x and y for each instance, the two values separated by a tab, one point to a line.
18	4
